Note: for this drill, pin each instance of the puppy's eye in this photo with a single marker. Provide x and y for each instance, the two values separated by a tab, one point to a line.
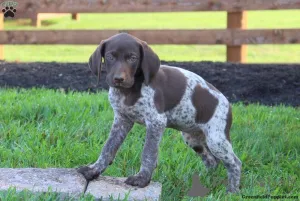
132	59
109	57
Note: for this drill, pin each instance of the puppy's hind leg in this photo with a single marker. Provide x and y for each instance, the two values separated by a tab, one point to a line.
197	142
221	148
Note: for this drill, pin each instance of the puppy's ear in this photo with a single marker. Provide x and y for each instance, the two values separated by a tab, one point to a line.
95	60
150	62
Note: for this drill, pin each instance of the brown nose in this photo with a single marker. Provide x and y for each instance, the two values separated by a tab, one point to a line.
118	79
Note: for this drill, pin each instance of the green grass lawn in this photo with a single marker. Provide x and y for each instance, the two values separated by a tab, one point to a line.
188	20
36	131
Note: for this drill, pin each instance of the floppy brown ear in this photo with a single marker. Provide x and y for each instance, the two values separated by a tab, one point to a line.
150	62
95	60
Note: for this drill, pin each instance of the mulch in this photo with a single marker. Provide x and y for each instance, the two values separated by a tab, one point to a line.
267	84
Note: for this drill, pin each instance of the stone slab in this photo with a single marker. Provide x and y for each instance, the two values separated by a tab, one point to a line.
103	187
68	182
65	181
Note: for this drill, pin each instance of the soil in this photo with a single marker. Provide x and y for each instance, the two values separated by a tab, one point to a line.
267	84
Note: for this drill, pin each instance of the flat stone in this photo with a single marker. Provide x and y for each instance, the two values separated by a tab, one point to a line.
68	182
64	181
103	187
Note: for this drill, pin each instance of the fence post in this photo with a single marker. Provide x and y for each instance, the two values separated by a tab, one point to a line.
238	53
35	20
1	28
75	16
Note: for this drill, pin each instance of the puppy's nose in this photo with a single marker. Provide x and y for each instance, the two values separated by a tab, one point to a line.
118	79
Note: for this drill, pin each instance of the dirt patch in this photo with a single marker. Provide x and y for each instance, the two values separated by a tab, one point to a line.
250	83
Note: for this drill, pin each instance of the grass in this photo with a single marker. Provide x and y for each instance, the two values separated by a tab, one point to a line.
36	131
189	20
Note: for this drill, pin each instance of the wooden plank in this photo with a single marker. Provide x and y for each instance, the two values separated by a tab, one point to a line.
44	16
36	20
97	6
1	28
238	53
210	37
75	16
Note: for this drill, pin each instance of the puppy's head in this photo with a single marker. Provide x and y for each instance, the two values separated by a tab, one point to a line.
126	59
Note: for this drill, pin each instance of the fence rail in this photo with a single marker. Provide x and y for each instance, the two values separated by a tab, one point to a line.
235	37
97	6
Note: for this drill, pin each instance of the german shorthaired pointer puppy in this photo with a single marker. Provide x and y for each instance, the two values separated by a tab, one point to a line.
158	96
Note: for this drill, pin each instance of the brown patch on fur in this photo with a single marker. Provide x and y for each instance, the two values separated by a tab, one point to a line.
228	123
169	85
134	93
205	104
229	114
131	99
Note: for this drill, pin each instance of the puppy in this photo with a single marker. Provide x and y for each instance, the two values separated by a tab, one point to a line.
157	96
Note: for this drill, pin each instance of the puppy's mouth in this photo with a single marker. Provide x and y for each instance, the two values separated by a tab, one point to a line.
128	83
122	85
118	85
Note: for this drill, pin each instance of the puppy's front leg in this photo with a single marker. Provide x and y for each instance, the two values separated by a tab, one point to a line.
118	133
149	157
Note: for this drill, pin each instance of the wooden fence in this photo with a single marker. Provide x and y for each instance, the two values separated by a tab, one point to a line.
37	18
235	37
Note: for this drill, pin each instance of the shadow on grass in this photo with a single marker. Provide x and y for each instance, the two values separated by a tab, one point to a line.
48	22
28	22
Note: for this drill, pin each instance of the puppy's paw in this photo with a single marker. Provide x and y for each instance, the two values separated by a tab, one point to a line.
88	173
141	180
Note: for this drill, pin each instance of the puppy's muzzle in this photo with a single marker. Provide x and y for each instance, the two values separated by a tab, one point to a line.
118	79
